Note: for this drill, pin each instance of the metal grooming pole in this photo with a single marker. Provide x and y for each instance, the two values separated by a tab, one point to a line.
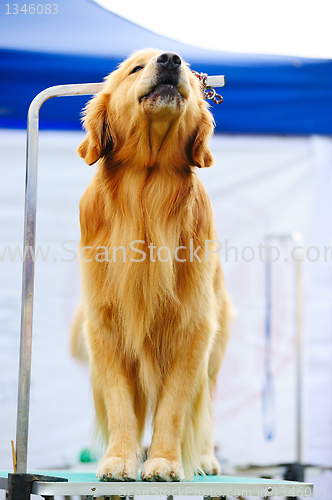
22	425
296	471
29	241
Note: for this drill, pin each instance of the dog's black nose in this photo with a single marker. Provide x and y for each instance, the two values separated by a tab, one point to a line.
169	60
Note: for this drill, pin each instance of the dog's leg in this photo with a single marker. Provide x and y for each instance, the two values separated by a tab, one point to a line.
121	458
114	397
186	378
209	462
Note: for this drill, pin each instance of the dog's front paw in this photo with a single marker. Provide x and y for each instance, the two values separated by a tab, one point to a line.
117	469
210	465
160	469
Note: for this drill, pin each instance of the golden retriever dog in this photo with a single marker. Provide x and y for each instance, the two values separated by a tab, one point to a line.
154	311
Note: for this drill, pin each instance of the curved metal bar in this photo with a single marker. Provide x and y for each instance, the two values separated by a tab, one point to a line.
28	264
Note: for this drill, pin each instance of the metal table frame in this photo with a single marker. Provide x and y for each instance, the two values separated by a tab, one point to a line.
208	487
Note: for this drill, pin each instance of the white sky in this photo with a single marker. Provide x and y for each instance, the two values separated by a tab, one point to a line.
290	27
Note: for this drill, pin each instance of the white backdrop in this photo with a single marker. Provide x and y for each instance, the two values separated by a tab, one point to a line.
258	187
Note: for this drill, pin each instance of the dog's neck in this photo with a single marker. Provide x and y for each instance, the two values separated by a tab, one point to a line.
166	144
158	131
158	144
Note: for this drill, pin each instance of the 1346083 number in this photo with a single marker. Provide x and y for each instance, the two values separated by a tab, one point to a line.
32	8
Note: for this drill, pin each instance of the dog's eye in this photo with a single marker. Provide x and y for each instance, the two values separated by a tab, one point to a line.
137	68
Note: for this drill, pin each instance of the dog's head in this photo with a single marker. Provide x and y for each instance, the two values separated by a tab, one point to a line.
151	107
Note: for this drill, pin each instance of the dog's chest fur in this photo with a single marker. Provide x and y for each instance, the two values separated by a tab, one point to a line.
143	218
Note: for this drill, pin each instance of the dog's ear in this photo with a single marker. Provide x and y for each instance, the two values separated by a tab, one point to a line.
200	151
99	140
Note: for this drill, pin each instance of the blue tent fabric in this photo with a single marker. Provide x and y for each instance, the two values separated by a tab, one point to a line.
83	43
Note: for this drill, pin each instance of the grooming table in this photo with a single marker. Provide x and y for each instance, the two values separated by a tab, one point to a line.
48	484
85	484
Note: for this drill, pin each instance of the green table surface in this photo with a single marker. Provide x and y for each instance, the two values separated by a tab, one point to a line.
86	483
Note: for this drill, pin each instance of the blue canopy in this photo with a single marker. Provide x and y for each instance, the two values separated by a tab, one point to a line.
80	42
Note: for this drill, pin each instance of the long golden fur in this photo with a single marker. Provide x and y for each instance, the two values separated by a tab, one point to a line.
155	328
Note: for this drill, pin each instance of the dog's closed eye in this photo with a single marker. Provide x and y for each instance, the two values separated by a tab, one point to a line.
136	69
